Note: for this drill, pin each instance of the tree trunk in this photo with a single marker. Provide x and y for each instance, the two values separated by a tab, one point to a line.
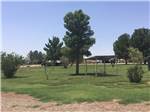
144	62
77	67
126	62
77	63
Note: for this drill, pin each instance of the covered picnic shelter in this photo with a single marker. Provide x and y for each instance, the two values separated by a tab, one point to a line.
98	59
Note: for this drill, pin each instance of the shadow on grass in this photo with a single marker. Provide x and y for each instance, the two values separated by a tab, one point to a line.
15	77
94	74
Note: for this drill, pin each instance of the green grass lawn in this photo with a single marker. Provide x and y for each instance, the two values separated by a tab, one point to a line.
64	87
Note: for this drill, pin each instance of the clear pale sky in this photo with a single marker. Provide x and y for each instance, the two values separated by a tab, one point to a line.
28	25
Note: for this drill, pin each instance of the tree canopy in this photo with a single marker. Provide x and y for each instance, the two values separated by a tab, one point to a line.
121	46
141	39
78	35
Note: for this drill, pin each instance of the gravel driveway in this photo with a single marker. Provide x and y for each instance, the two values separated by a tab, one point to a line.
12	102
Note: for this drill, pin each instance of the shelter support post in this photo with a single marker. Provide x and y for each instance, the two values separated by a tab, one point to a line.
96	67
104	67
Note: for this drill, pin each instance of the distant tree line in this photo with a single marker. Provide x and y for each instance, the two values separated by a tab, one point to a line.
35	57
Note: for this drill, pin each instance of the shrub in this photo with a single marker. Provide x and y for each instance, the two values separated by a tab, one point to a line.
10	63
65	61
135	73
135	55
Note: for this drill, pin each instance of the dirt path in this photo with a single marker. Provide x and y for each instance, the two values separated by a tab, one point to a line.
12	102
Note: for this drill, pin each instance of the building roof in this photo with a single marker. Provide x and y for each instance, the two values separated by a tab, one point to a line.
102	57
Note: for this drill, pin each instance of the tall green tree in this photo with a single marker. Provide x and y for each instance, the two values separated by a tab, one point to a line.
53	49
141	39
121	46
78	35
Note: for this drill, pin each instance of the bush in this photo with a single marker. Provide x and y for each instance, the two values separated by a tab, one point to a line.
10	63
65	61
135	73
